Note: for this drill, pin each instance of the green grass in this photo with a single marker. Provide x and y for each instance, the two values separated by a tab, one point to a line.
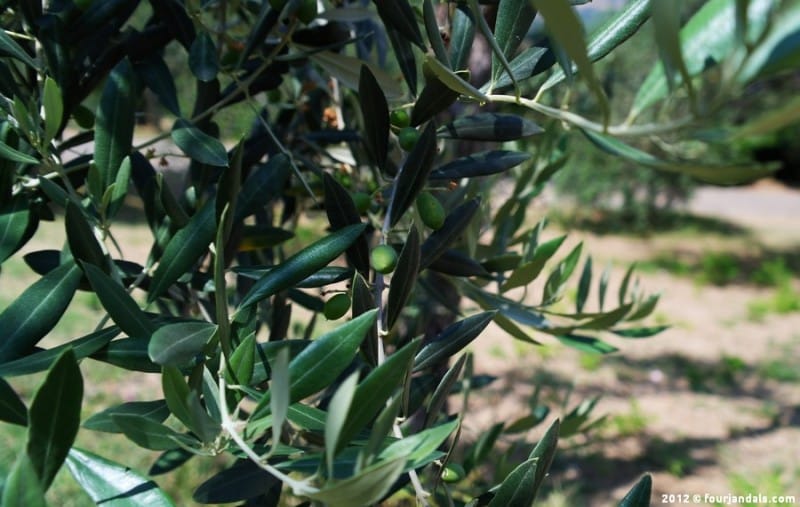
630	423
784	300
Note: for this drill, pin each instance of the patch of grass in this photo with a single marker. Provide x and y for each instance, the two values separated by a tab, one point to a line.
784	300
719	268
772	273
591	362
672	457
771	483
631	423
723	374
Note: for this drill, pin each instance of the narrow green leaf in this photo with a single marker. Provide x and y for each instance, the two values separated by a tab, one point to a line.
527	272
623	287
150	434
517	489
186	246
169	460
53	106
602	287
412	176
107	482
400	16
338	411
531	62
454	338
588	344
129	354
176	394
113	126
14	155
772	120
417	448
198	145
454	226
54	417
639	495
280	387
583	286
404	53
12	410
480	450
483	163
544	452
432	31
666	20
15	218
611	34
264	183
514	20
341	211
435	97
639	332
728	174
37	310
644	308
318	365
375	113
374	391
366	487
178	344
119	189
81	239
10	47
203	60
157	76
458	263
489	127
243	481
561	273
120	306
780	50
242	361
443	391
565	27
155	410
363	302
404	277
452	80
302	265
22	487
462	36
486	31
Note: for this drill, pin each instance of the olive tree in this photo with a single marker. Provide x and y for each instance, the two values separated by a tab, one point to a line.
366	129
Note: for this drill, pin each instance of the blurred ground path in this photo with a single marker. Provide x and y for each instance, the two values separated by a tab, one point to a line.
763	201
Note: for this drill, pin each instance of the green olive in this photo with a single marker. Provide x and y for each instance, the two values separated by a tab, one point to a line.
400	118
362	200
453	472
307	11
336	306
383	259
408	138
430	210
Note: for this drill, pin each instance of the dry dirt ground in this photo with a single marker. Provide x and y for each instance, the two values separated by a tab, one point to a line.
710	406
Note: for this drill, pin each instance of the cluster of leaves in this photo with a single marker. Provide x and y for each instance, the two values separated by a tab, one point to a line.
359	412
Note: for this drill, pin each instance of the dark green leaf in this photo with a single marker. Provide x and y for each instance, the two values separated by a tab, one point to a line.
263	184
54	417
15	218
587	344
639	495
183	250
371	394
199	145
583	286
514	19
341	211
434	98
155	410
41	361
320	363
611	34
14	155
178	344
454	338
453	80
432	31
462	36
325	276
443	391
113	126
516	311
368	485
348	70
129	354
37	310
518	488
623	286
780	50
479	164
9	46
302	265
481	449
12	410
544	452
639	332
442	239
169	461
176	394
644	308
22	487
719	174
404	277
119	304
457	263
261	237
157	76
107	482
400	16
53	106
489	127
531	62
414	173
404	53
363	302
203	58
375	113
242	481
575	420
82	242
150	434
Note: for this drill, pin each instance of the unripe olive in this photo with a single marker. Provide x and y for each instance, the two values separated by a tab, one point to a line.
453	472
383	259
408	138
307	11
336	306
362	200
430	210
400	118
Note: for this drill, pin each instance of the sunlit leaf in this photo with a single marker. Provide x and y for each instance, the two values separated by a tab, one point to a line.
450	341
179	343
199	145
